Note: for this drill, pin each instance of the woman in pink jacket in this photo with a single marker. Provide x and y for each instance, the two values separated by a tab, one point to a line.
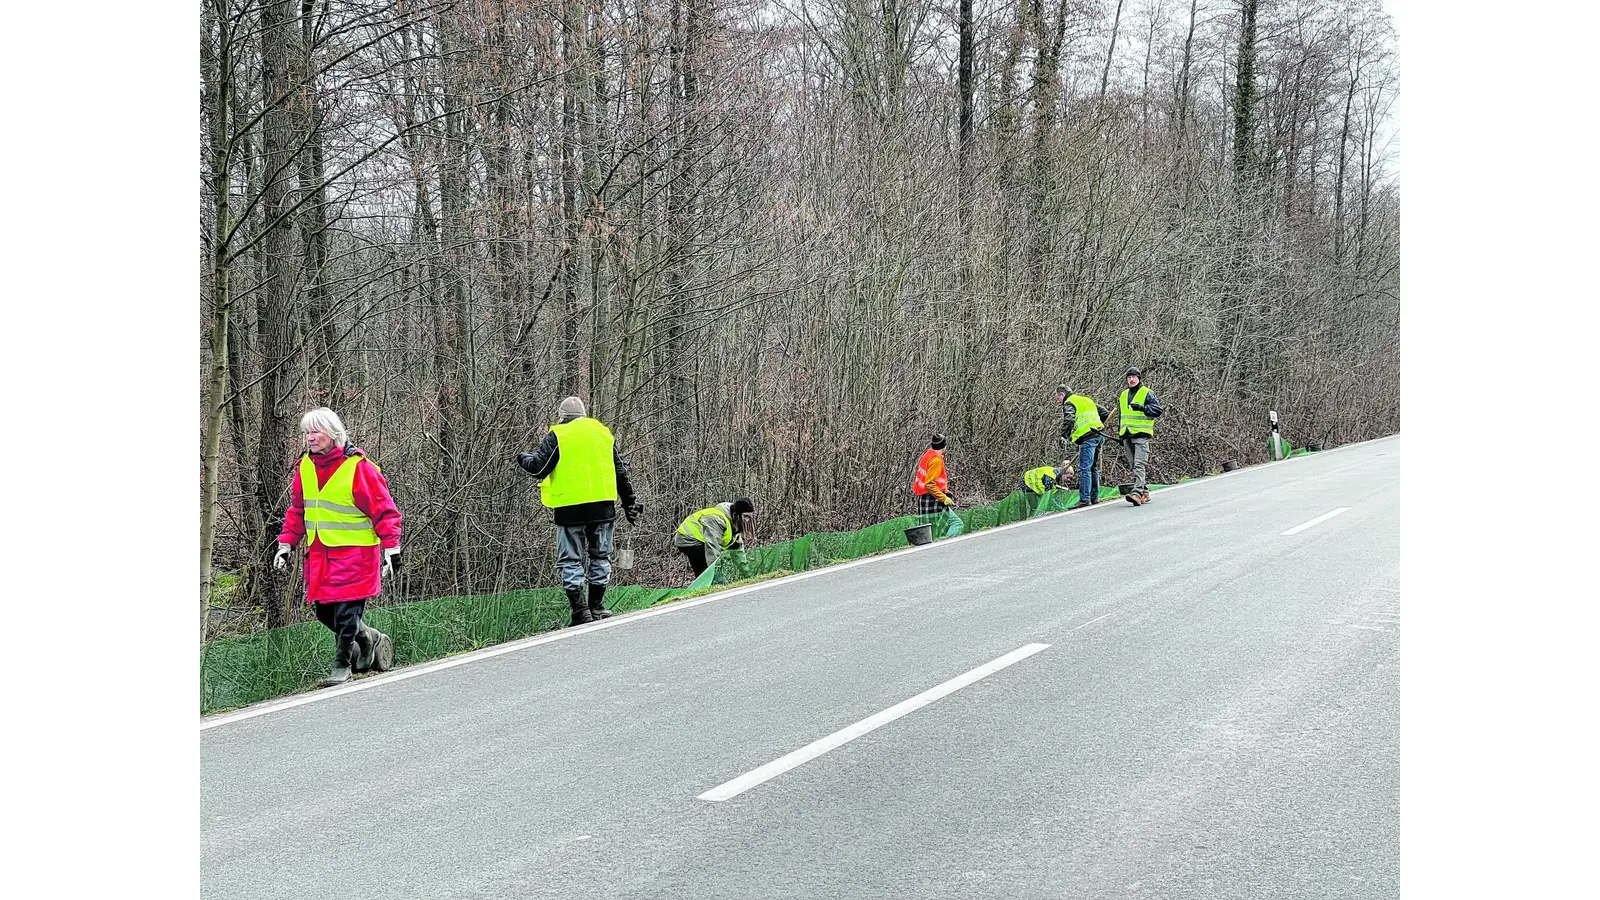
340	504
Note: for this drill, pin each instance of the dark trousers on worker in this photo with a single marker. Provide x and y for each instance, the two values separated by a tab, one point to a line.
1089	469
344	620
696	556
574	543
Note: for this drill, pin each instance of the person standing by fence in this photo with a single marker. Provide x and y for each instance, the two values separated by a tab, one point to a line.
1081	424
1137	411
929	484
581	480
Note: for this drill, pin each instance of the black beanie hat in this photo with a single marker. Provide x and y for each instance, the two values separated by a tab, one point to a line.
742	506
938	441
1132	370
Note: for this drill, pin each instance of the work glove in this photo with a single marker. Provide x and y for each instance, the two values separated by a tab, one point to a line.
633	512
1138	406
391	561
280	560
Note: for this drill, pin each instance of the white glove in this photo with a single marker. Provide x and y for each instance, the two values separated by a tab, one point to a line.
280	560
391	561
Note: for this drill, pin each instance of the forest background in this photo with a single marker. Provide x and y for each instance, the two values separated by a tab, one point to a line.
773	245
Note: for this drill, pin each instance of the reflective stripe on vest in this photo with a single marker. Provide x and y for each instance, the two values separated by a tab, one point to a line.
1034	478
691	526
331	513
1132	421
919	484
1086	417
584	472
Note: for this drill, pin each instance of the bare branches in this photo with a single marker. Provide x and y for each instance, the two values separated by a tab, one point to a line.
773	245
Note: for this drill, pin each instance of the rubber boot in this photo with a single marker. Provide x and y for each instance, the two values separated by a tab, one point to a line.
597	602
580	609
366	648
341	665
376	650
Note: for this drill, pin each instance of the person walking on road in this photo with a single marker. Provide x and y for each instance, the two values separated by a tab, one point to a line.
705	534
581	481
339	503
931	480
1137	411
1081	424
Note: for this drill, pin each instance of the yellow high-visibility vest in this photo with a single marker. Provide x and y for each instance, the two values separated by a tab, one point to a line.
331	513
1034	478
691	527
585	471
1130	420
1087	419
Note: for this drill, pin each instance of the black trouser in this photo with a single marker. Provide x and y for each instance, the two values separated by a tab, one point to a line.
697	557
344	620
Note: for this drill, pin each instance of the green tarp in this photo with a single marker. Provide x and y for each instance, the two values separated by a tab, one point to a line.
241	670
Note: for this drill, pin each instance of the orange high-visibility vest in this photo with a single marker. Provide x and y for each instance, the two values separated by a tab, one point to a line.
919	484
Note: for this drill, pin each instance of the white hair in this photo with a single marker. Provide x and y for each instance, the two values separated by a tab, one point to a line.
326	421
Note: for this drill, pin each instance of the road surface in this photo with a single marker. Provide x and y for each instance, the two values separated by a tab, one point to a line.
1215	714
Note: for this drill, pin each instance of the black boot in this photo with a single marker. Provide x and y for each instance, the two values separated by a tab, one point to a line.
366	649
341	665
580	610
375	650
597	602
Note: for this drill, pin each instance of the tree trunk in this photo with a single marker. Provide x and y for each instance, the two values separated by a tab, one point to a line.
1111	51
277	291
217	68
1244	101
314	213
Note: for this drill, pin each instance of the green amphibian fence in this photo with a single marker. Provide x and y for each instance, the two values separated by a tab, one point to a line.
237	671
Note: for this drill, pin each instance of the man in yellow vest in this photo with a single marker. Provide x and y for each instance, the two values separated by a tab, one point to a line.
1137	410
1081	424
581	480
703	536
1044	478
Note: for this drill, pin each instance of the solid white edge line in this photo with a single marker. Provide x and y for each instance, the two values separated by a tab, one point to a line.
1317	521
271	706
730	789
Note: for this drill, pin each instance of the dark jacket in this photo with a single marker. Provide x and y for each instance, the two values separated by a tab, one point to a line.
542	461
1069	417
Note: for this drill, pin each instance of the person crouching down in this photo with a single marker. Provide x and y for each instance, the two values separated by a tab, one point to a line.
707	533
339	502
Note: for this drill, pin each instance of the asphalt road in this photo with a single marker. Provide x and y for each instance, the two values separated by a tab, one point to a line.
1217	715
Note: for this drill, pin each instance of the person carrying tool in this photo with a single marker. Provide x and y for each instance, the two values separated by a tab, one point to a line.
581	480
339	502
1137	410
707	533
1044	478
1081	421
928	485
